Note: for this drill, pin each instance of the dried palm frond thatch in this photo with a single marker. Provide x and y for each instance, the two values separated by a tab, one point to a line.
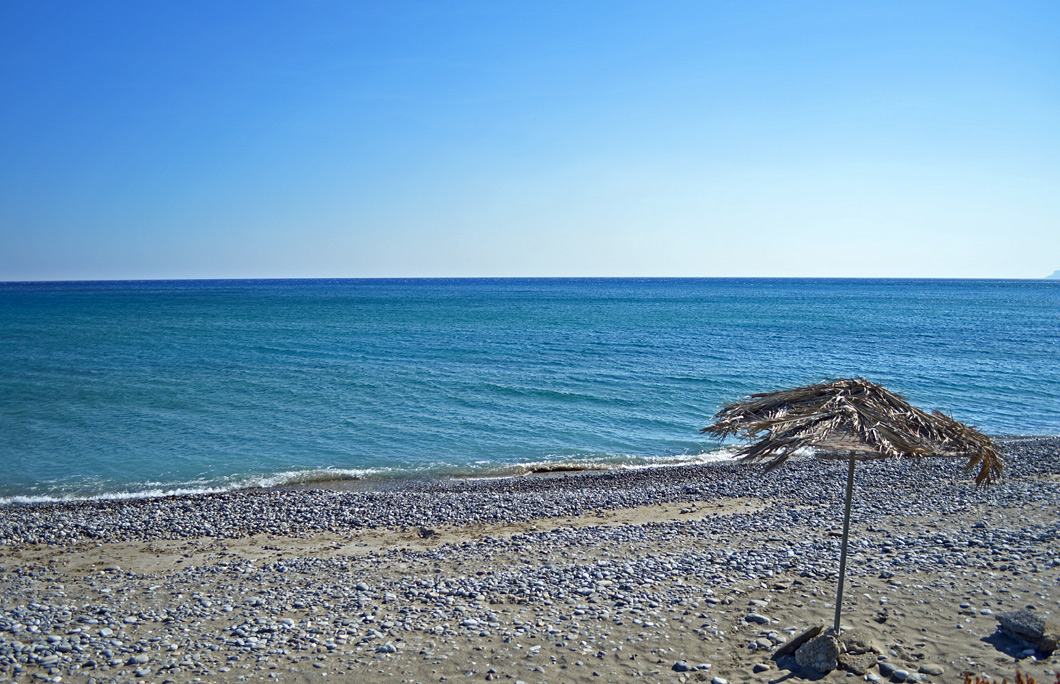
851	418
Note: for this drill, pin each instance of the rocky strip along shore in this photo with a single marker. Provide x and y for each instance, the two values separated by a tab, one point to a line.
691	573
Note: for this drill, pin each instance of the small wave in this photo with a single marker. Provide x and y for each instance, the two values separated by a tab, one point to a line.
562	468
322	477
157	491
725	455
318	476
567	465
111	496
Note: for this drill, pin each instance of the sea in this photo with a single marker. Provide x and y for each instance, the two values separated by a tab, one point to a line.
139	389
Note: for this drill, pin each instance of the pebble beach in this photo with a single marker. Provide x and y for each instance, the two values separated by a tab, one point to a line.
665	574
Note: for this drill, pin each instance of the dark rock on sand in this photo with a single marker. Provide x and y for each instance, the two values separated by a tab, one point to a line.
820	654
858	641
859	664
1042	633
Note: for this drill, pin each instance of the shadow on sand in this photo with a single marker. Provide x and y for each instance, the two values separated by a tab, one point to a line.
790	671
1010	645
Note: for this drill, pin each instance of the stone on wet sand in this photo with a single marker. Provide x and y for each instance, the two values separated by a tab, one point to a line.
932	669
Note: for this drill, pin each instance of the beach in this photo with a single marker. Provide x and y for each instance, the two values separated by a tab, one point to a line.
662	574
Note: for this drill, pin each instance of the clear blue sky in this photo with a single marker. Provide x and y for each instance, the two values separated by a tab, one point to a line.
573	138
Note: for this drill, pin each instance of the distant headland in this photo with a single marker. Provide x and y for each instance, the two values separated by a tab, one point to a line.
1054	276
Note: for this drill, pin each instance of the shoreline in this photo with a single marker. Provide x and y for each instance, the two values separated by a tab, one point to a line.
340	480
385	479
540	579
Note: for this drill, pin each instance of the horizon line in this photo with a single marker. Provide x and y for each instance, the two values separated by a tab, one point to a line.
440	278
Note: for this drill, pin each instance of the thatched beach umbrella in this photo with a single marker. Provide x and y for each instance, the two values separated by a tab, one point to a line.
850	420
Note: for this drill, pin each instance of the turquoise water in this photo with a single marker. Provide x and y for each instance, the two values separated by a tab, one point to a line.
133	388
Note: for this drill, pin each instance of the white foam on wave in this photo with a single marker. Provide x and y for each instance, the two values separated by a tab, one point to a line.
724	455
318	475
155	490
566	465
557	465
111	496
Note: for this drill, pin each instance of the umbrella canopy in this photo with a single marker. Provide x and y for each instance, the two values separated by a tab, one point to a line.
853	418
850	420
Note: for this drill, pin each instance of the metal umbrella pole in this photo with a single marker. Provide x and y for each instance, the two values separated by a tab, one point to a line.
843	553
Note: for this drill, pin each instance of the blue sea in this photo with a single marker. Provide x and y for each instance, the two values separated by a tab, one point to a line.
124	389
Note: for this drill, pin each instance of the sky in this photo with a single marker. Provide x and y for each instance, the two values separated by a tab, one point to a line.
266	139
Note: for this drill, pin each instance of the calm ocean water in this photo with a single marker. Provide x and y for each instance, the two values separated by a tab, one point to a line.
133	388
